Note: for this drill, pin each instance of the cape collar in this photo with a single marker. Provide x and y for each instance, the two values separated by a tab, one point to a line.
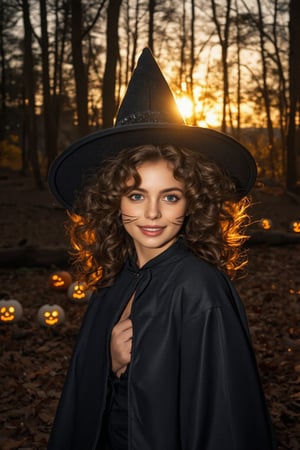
174	253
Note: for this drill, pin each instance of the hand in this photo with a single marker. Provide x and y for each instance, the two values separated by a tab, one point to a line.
120	346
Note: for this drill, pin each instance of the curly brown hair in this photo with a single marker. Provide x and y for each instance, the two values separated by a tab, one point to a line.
214	227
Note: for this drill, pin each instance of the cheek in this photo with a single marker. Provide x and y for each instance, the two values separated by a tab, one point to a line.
128	209
178	212
123	205
183	208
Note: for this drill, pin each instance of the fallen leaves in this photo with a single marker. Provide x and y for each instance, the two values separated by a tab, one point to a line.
271	293
34	360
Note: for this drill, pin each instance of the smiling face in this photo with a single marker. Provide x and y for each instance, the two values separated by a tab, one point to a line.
50	315
153	213
60	281
10	311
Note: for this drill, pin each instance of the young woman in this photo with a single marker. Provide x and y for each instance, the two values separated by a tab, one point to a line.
164	359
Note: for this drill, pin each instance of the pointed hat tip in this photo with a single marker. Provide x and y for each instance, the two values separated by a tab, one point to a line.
147	51
148	97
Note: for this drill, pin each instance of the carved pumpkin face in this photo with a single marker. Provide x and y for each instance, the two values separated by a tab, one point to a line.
10	311
60	281
266	224
50	315
295	226
293	291
78	292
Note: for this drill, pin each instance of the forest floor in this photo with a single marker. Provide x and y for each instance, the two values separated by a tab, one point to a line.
34	359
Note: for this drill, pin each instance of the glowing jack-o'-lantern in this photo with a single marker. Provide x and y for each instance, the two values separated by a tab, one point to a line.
60	281
78	292
266	224
295	226
294	291
10	311
50	315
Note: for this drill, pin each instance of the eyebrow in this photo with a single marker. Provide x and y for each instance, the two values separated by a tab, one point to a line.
163	191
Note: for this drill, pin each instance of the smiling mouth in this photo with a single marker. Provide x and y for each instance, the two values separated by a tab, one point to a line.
152	231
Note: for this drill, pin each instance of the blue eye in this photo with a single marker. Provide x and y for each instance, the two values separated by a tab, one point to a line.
136	197
171	198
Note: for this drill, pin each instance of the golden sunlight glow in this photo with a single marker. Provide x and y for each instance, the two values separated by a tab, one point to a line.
212	119
185	106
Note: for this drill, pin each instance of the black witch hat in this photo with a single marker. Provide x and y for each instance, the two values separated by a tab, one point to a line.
147	115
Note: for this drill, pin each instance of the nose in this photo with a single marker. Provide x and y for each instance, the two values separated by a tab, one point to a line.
152	210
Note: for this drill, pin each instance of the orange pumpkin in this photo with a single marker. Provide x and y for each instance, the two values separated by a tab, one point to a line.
266	224
295	226
60	280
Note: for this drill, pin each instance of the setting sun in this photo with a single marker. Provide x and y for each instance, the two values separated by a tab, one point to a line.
211	120
185	106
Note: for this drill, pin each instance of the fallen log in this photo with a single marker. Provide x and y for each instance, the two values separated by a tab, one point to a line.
34	256
271	237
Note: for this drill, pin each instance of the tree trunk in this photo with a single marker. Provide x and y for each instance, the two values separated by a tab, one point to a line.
3	78
265	92
131	38
134	38
29	86
80	73
182	45
224	43
192	61
294	90
59	50
282	98
238	85
152	5
112	56
50	135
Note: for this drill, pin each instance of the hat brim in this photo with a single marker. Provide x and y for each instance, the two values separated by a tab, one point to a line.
68	171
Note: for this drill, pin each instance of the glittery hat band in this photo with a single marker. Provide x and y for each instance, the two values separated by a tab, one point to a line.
146	117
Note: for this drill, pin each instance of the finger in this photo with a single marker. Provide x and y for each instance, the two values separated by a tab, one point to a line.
121	327
119	372
121	356
124	324
126	334
120	346
118	341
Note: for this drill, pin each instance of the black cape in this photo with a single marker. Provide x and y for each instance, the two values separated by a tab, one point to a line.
193	382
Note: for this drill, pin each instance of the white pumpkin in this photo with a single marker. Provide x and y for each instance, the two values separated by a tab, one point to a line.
50	315
78	292
10	311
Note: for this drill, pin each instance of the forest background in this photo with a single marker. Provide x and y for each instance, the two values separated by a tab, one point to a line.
233	65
